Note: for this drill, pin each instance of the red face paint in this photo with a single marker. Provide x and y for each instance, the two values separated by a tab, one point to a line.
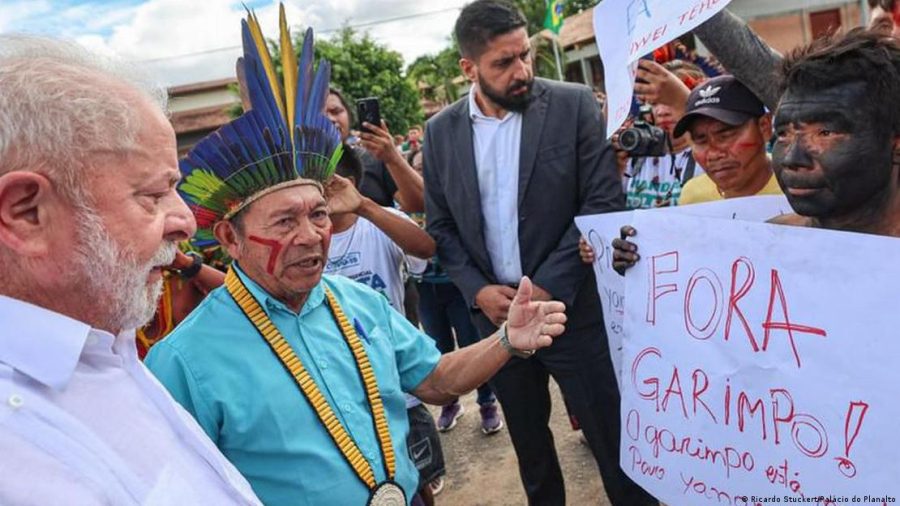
276	248
745	147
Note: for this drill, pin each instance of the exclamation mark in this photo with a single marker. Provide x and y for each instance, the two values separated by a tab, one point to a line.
855	415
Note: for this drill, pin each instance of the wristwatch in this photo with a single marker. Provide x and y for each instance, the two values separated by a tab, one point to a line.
504	341
194	268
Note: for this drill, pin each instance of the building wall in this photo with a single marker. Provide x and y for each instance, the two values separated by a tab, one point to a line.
787	30
751	9
198	109
222	97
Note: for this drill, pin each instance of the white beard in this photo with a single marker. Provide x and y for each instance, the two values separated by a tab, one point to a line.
112	275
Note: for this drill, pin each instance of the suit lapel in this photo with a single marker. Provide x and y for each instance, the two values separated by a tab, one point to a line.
532	126
467	177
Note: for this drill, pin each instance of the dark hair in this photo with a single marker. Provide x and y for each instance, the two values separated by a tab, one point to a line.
333	90
887	5
859	56
350	165
481	21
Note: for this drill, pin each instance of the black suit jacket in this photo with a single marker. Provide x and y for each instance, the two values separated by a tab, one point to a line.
566	168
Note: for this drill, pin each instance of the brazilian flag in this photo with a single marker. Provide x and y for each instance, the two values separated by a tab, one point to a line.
554	19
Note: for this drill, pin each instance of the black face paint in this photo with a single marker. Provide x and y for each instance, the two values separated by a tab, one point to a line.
831	157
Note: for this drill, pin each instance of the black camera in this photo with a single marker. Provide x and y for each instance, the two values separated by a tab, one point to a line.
643	139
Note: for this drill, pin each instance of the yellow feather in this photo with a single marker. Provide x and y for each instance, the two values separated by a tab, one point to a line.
266	59
288	67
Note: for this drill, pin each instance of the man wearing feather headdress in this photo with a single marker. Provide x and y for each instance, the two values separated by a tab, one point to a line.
299	378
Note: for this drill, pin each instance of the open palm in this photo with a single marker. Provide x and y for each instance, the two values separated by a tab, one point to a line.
533	324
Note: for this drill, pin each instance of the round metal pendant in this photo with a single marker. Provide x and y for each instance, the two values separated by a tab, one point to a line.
387	494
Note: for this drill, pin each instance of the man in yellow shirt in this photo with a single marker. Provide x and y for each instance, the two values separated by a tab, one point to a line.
729	128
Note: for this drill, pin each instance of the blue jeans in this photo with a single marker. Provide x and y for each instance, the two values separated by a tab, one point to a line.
442	309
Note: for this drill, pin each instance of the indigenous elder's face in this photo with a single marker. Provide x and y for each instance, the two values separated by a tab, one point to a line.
283	243
734	157
136	218
503	70
830	157
338	114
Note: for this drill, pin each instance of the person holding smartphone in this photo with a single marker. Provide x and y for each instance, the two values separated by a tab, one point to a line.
387	177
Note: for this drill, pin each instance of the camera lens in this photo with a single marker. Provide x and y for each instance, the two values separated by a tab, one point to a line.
629	139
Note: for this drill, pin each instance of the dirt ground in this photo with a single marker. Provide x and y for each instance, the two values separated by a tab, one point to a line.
482	470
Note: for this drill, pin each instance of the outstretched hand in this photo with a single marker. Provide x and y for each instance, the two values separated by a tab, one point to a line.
532	325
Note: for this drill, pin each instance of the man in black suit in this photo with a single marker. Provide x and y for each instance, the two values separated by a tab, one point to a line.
506	171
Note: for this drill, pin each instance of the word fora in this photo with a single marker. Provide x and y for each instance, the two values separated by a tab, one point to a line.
743	276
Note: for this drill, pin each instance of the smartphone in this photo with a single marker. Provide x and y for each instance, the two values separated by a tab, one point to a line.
368	110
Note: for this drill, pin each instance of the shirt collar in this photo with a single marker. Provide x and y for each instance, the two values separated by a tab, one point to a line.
475	112
268	302
41	343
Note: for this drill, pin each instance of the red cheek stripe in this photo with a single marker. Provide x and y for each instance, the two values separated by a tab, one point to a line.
273	255
743	147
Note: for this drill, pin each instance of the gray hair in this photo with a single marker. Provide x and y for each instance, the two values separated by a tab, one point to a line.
59	102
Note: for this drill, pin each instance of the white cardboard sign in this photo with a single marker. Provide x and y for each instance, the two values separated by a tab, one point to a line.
601	229
761	364
625	30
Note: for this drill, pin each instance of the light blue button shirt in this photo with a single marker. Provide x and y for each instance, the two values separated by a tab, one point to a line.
496	143
222	371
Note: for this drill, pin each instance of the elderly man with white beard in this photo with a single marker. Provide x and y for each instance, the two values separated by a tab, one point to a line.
88	217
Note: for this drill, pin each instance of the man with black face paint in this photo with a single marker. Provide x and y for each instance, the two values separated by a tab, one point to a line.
837	153
838	136
507	169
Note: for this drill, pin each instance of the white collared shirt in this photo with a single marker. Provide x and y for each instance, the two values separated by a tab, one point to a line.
83	422
496	144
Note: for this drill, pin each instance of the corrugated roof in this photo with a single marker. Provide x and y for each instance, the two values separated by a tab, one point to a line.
577	29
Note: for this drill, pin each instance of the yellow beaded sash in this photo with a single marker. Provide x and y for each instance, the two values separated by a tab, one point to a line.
254	312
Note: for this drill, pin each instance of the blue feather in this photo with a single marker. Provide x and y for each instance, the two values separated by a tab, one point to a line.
304	77
319	92
259	87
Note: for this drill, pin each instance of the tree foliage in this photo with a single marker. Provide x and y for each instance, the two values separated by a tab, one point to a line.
361	68
438	70
535	12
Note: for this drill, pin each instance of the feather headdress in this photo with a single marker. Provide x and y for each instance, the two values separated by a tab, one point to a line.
283	140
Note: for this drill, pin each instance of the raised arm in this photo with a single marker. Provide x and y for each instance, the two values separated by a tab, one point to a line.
410	186
740	50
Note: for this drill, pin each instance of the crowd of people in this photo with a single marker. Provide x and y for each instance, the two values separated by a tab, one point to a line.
265	320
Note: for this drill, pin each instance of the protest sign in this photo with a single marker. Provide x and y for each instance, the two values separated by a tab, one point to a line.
760	365
625	30
601	229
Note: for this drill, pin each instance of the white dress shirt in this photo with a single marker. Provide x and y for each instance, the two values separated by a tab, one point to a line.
496	144
82	422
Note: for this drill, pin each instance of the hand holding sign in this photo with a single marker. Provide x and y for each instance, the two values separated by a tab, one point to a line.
660	86
627	29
